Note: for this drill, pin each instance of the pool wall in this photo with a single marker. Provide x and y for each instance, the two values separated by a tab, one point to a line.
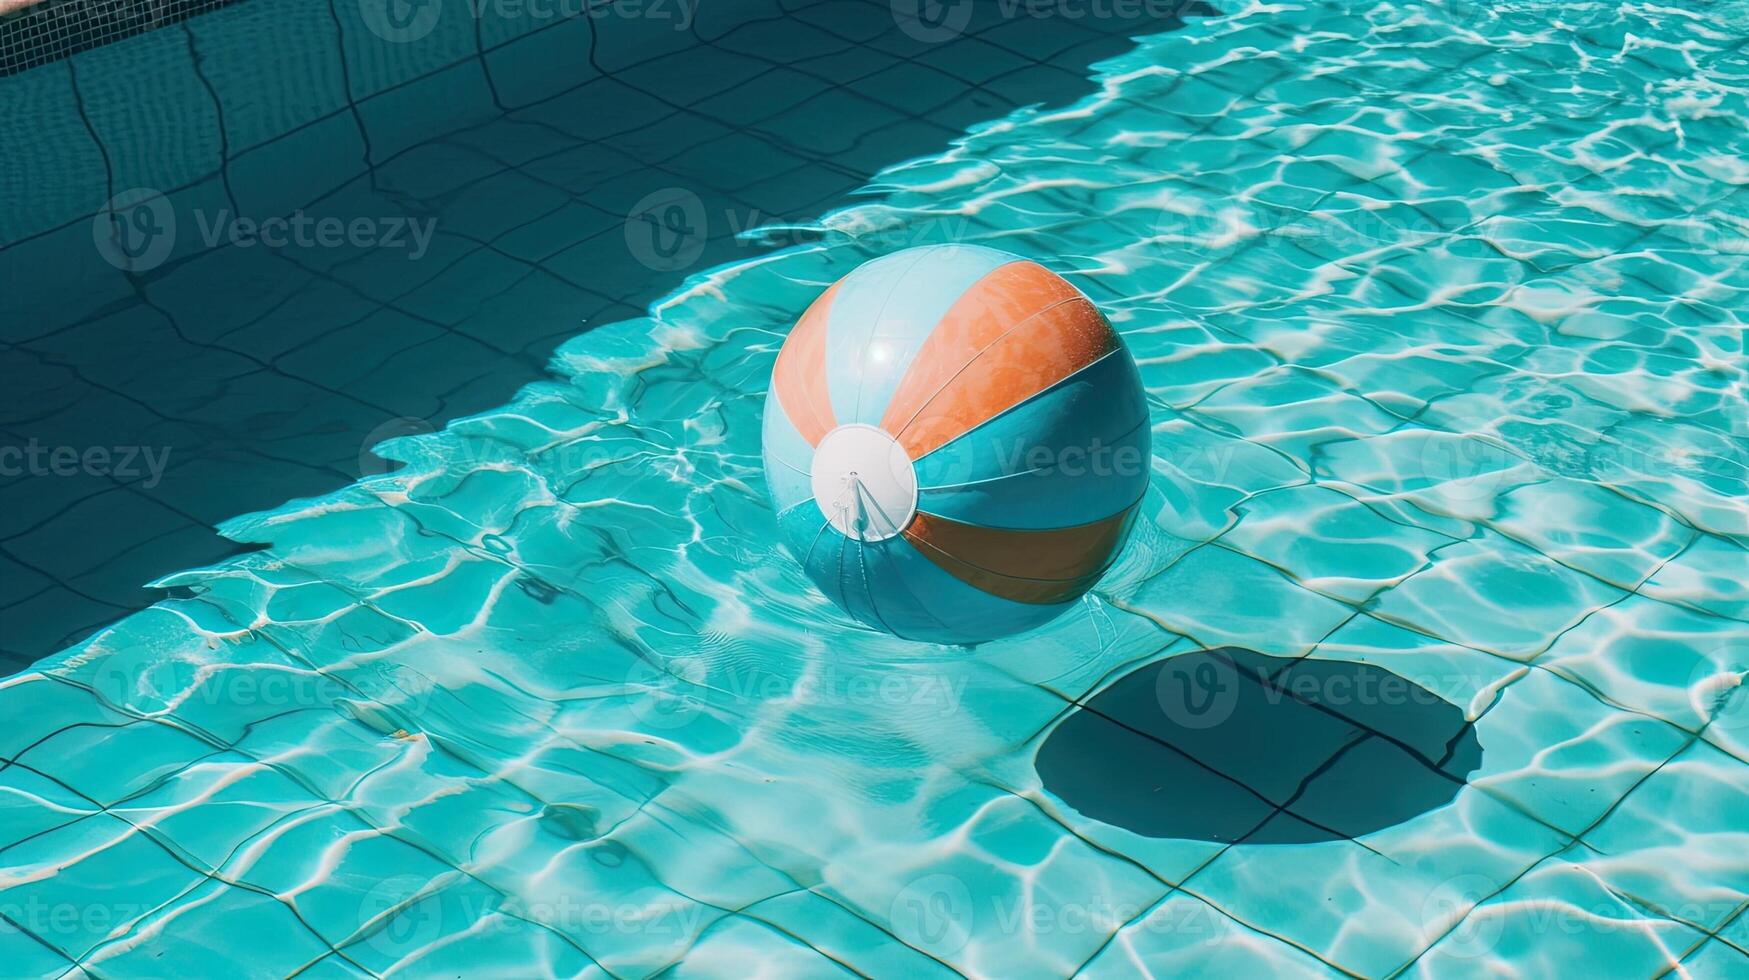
215	119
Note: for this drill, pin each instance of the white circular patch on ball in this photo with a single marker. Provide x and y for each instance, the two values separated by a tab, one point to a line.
864	482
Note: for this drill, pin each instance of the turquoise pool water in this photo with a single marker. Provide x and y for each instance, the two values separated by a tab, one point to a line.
1439	310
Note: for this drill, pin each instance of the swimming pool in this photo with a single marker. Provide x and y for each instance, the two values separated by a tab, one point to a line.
1438	311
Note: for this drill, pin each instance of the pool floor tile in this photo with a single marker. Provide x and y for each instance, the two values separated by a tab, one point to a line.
81	757
1555	917
78	883
1667	661
1558	753
1185	935
1535	600
1213	592
213	927
1667	843
1302	530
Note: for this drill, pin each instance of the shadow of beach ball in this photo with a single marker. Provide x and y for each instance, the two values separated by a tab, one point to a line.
1229	745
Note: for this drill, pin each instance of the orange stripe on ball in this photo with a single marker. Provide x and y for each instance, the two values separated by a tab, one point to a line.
1014	333
1038	567
800	376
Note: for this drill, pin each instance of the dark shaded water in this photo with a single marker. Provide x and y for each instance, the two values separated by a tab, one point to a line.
258	374
1230	745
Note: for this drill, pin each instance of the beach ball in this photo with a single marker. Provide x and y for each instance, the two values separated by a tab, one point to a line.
956	443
